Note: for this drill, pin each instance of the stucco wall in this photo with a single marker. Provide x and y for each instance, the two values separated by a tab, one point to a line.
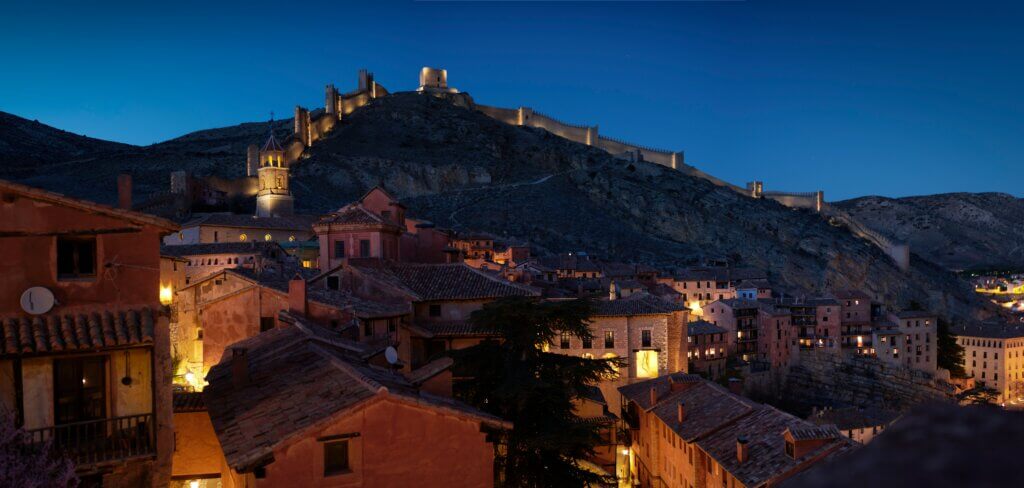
196	450
37	381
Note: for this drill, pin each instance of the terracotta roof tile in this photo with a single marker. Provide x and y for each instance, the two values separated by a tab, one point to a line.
429	282
75	332
635	304
296	380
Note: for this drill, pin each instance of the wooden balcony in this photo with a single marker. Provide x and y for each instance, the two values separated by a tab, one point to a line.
101	441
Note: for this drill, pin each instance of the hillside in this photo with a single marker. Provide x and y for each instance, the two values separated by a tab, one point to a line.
955	230
464	170
50	158
27	145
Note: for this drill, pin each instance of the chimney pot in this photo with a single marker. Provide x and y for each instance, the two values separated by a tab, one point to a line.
297	302
124	191
239	367
742	450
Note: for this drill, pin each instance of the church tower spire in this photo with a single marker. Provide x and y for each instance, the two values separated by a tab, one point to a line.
274	198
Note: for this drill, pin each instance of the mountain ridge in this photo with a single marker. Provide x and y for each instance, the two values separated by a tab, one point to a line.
462	169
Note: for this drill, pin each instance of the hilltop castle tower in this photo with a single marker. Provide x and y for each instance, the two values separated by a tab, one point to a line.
274	199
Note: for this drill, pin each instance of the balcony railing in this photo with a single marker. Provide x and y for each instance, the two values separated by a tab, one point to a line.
103	440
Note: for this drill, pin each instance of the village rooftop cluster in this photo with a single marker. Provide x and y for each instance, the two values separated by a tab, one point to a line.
281	349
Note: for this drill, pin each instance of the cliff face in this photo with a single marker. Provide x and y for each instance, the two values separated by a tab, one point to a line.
955	230
462	169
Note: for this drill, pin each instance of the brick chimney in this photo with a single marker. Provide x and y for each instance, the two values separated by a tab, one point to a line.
124	191
297	303
742	450
654	396
681	412
736	386
239	367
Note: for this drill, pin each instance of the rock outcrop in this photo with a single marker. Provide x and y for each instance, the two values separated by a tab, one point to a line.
955	230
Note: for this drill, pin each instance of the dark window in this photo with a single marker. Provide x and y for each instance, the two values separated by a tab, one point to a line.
386	215
335	458
368	328
564	341
339	249
645	338
260	472
392	325
333	283
76	257
216	237
80	390
435	310
609	339
790	450
266	323
364	248
588	342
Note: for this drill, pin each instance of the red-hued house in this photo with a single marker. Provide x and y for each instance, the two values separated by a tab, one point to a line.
375	226
299	406
91	367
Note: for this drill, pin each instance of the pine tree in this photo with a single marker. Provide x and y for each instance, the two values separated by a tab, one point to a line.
517	380
950	355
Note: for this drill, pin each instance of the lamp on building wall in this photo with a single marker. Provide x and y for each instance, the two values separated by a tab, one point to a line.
166	294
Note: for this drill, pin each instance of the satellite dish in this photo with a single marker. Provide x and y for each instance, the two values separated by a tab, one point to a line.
37	300
391	354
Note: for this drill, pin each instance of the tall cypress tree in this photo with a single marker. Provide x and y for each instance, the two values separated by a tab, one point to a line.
516	379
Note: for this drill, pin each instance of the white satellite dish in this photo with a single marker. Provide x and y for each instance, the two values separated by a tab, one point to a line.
391	354
37	300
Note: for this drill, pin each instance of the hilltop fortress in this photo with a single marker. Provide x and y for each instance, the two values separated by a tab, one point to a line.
274	198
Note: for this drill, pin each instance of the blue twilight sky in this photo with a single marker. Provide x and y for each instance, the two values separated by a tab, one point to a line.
854	97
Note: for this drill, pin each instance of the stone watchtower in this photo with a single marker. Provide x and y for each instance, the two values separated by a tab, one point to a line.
274	199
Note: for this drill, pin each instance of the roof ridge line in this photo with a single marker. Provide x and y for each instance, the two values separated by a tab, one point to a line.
369	383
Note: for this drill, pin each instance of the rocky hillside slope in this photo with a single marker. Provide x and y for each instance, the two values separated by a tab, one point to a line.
464	170
955	230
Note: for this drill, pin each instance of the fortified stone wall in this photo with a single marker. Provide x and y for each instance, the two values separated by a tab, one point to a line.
826	379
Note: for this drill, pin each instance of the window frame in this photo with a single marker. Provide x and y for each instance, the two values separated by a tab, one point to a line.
74	245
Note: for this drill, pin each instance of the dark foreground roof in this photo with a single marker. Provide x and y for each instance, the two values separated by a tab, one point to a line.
300	375
57	332
703	327
933	445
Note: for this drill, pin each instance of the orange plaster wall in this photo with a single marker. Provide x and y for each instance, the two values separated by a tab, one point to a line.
399	445
132	280
197	451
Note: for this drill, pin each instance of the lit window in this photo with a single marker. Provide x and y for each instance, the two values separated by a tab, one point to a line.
266	237
291	238
242	237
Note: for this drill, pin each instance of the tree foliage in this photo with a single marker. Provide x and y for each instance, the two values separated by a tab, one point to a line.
30	465
949	355
517	380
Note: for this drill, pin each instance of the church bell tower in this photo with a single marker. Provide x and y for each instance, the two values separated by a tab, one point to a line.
274	199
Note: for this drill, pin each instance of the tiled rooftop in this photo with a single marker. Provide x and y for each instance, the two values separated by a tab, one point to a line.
703	327
296	381
989	330
75	332
292	222
636	304
252	247
430	282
